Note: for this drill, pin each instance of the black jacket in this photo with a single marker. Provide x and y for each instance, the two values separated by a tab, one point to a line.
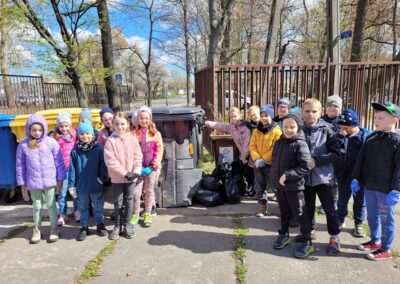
292	158
378	164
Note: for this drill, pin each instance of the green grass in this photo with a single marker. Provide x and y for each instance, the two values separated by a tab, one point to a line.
207	164
14	232
239	248
93	266
395	253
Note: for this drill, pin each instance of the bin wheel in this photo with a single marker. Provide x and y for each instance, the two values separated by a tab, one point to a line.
10	195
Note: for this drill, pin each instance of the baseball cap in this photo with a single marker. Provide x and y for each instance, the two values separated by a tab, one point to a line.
388	107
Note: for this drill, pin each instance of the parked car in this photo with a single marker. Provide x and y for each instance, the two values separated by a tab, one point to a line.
234	97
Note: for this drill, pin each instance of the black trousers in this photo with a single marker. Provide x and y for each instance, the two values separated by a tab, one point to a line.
292	204
325	195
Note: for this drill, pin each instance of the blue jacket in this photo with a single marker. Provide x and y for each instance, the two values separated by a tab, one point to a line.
324	149
350	146
86	169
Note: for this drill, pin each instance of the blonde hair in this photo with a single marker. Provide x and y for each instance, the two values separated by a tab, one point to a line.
122	115
235	110
253	109
311	102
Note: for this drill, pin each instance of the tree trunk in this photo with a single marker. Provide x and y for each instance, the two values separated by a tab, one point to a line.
273	27
358	35
113	97
79	84
394	28
184	4
250	35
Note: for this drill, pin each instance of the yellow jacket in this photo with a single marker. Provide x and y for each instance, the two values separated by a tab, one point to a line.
261	144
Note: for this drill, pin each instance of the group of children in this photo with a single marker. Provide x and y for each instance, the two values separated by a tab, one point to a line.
125	154
302	154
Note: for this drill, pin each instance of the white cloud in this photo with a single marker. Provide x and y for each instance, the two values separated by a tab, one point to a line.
138	42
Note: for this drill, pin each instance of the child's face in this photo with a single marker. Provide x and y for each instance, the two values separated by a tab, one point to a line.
283	110
311	113
348	129
36	131
265	119
63	127
107	119
254	116
332	111
144	119
85	137
384	121
120	125
234	117
290	127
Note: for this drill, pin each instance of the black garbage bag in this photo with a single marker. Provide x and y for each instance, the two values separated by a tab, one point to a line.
213	183
208	198
235	185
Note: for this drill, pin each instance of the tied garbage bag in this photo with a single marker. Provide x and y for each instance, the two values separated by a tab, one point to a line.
208	198
234	186
210	182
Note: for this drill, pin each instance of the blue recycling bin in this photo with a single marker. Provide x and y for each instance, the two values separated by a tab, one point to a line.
8	183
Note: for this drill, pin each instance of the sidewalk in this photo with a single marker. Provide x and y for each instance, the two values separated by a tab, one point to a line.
186	245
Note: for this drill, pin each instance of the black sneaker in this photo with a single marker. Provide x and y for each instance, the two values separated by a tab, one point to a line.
84	232
101	230
282	241
299	238
114	235
154	210
129	232
304	250
334	246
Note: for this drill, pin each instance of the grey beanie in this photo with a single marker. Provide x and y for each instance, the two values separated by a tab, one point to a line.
334	100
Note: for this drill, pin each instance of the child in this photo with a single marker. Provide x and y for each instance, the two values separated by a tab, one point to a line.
40	169
86	174
85	115
123	158
378	171
151	144
106	116
350	137
239	131
333	108
324	150
261	144
290	165
66	140
283	109
254	115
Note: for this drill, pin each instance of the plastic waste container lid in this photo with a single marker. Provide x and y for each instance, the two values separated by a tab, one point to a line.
5	119
175	114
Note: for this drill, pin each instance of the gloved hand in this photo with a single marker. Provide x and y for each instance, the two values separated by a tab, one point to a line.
392	198
355	186
259	163
131	176
146	171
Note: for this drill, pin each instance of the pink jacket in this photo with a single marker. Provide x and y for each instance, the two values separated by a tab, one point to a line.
240	134
66	147
102	136
122	155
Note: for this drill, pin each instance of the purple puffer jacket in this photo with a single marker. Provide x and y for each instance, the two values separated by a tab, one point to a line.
40	168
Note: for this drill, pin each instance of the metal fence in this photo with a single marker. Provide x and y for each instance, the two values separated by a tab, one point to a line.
221	87
26	94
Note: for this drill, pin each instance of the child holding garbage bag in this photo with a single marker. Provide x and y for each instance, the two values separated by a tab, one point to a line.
123	158
152	148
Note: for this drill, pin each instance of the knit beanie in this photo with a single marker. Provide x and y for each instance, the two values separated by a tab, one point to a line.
268	109
85	127
334	100
146	109
298	120
348	117
64	117
85	114
106	110
284	102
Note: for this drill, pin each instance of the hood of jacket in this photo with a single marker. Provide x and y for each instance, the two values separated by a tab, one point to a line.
265	128
36	118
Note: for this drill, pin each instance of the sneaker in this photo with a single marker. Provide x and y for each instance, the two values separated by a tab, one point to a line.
61	221
129	232
261	210
321	210
282	241
83	233
359	231
77	216
147	219
134	220
274	198
380	255
342	226
101	230
334	246
54	235
369	246
36	236
154	210
114	235
304	250
299	238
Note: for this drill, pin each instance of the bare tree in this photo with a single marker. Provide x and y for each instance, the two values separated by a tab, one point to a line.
359	28
273	28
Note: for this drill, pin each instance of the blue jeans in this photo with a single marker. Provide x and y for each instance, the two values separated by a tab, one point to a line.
344	197
62	198
98	206
380	218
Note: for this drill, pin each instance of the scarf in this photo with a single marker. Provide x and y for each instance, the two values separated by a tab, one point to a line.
85	146
264	129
